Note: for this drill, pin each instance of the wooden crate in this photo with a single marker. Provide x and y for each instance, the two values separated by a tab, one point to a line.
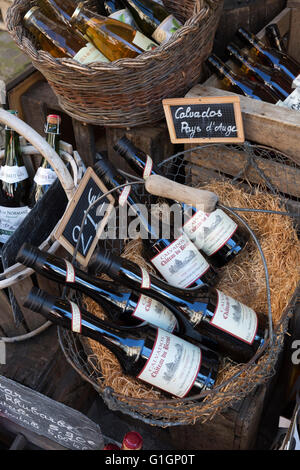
4	5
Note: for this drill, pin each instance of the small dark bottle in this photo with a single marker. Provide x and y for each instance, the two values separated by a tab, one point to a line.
177	259
274	37
153	355
216	234
237	329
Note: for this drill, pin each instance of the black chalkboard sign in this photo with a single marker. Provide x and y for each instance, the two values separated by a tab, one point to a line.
203	120
88	191
45	422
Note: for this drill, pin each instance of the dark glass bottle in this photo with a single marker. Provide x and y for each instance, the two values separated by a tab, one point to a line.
45	174
153	19
237	329
239	84
176	259
216	234
153	355
271	57
274	37
14	186
278	82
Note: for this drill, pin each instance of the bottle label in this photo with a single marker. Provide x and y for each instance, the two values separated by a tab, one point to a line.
209	232
89	54
292	101
180	263
70	272
146	282
235	318
124	195
10	219
124	16
76	318
148	168
166	29
296	82
154	312
13	174
143	42
173	365
45	176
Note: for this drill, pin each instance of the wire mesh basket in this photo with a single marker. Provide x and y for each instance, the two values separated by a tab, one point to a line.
260	183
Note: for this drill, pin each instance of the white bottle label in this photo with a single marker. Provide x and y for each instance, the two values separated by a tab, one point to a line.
10	219
154	312
296	82
292	101
76	318
180	263
88	54
124	16
166	29
70	272
209	232
45	176
148	168
235	318
173	365
146	282
143	42
13	174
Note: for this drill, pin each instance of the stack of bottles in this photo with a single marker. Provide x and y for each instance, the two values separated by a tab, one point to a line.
125	28
168	329
265	73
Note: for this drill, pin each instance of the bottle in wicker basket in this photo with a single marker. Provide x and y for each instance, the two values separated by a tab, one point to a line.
112	37
237	329
222	243
59	40
58	9
177	259
153	19
152	355
115	9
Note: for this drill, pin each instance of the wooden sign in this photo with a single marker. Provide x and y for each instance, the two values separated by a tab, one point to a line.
204	120
45	422
68	231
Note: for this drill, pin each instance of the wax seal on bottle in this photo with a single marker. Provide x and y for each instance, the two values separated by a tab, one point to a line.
132	441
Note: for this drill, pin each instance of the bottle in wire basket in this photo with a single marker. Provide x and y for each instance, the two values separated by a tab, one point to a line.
45	174
59	40
269	56
274	37
278	82
153	19
237	329
239	83
112	37
14	186
216	234
61	10
152	355
177	259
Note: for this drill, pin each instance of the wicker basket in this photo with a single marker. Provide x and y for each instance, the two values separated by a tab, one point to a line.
127	92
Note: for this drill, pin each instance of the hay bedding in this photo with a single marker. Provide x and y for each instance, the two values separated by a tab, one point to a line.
243	279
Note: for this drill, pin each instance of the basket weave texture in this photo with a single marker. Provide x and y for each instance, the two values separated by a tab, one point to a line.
127	92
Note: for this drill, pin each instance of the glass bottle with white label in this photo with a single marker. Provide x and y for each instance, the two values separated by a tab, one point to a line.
178	260
45	174
216	234
155	356
115	9
153	19
14	185
237	329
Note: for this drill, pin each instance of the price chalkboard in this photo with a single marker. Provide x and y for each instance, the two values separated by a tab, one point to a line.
89	190
204	120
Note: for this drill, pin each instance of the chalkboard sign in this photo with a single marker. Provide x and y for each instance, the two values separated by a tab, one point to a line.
44	421
204	120
68	231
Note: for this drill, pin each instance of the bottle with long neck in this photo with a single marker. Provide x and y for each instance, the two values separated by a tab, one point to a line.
216	234
58	9
177	259
45	174
271	57
237	329
152	355
239	84
14	186
274	37
153	19
112	37
59	40
278	82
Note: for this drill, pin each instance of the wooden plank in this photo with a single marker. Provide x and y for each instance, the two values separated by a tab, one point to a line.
85	141
264	123
15	94
7	324
294	37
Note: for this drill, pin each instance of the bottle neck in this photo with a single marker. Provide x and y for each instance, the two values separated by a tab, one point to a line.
13	154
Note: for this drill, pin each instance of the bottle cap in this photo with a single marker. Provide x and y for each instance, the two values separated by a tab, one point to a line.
53	119
27	255
30	12
132	441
